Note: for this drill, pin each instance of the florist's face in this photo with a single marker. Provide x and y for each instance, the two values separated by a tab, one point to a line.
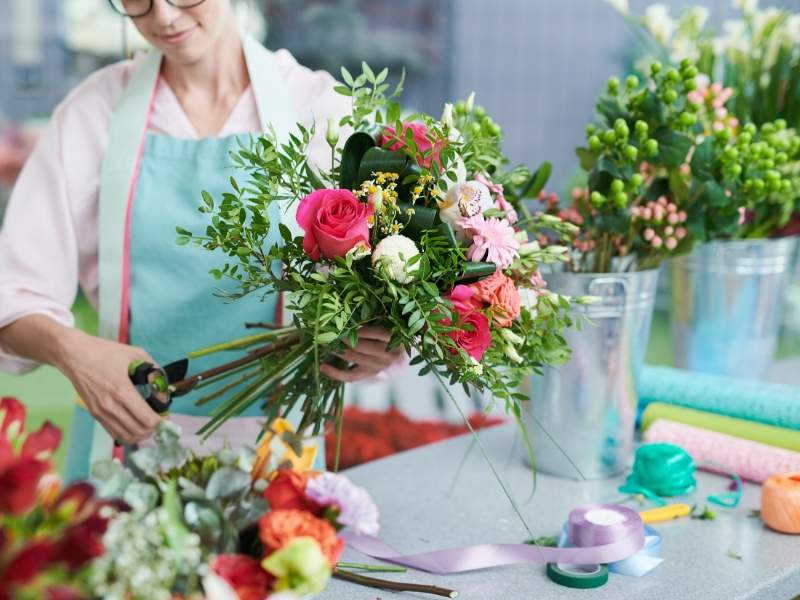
184	35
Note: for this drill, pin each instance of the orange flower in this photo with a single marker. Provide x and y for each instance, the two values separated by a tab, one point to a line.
500	293
278	527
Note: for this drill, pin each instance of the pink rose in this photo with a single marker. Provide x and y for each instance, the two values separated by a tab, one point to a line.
424	146
477	338
334	221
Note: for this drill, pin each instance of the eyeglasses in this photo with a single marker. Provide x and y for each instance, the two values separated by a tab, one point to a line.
139	8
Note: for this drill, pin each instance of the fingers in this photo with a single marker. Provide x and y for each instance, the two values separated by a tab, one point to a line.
141	412
118	421
348	376
374	333
376	362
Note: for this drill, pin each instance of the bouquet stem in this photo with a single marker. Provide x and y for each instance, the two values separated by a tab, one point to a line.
397	586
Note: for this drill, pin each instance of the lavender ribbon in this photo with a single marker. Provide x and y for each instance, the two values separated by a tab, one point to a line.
596	539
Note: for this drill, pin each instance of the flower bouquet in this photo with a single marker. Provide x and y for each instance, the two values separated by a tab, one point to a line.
413	228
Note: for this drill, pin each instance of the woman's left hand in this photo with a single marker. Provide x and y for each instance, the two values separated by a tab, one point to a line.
369	357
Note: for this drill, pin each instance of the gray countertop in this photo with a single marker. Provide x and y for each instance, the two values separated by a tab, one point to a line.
424	506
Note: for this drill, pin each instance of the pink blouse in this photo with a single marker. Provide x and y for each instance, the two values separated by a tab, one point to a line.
48	243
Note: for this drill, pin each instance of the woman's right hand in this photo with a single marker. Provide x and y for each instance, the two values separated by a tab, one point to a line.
98	369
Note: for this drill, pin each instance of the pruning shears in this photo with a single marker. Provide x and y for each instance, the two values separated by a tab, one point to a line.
158	385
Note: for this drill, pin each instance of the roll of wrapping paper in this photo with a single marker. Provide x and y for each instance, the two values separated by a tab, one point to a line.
768	403
748	459
780	502
757	432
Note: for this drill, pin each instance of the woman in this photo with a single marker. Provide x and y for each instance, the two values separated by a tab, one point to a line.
121	164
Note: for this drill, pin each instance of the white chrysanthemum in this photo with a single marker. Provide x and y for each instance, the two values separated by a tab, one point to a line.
746	6
659	23
464	200
392	255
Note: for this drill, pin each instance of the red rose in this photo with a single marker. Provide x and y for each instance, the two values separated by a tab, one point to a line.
11	411
288	491
476	338
244	574
19	484
334	221
426	153
43	443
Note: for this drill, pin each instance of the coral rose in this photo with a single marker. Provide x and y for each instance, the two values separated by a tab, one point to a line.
501	294
278	527
334	221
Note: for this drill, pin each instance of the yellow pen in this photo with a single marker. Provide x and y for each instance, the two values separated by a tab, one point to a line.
665	513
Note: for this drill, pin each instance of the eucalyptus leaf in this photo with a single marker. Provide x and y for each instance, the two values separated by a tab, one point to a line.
141	497
227	482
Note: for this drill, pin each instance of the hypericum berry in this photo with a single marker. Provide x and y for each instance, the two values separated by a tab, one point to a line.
767	164
479	111
736	170
621	129
673	75
617	186
781	158
670	96
609	137
690	85
690	72
758	185
687	119
750	128
613	85
651	147
460	107
597	199
686	63
780	124
621	199
631	153
693	107
745	138
632	82
595	144
642	129
591	129
637	180
655	68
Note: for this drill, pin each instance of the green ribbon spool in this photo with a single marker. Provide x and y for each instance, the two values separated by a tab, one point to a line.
661	470
578	576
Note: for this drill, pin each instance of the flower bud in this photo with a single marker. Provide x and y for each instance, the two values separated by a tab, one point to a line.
631	153
511	337
621	129
613	85
332	132
595	144
586	300
470	102
512	354
447	116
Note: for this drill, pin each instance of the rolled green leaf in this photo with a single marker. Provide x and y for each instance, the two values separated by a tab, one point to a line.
422	219
354	149
474	271
537	181
377	159
449	233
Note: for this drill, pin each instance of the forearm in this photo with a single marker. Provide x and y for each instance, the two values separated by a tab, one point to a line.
39	338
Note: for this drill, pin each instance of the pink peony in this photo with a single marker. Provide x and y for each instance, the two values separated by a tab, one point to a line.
334	221
492	240
426	153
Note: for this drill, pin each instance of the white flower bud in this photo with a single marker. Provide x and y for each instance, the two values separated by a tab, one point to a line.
377	199
512	354
557	250
332	132
359	251
511	337
588	300
529	248
447	116
470	102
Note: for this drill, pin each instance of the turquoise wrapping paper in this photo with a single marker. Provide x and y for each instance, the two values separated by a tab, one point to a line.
768	403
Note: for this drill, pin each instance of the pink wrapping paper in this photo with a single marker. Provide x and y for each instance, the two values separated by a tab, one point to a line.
749	460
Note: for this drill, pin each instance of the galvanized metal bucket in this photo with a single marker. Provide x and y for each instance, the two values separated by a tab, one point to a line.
727	299
582	415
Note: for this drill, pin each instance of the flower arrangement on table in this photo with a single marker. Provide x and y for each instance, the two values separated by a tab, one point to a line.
246	526
668	167
414	229
755	58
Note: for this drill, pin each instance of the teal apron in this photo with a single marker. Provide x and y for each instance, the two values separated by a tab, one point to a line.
154	293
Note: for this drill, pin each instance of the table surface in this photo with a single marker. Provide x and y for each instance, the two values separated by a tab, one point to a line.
444	495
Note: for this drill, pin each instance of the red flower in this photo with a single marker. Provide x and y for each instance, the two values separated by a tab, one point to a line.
7	456
426	153
74	498
43	443
334	221
82	542
476	337
244	574
288	491
27	564
11	411
19	484
62	592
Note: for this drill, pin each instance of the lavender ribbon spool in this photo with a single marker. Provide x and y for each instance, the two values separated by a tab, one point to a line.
599	534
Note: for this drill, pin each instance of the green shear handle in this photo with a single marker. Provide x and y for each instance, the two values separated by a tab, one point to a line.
152	383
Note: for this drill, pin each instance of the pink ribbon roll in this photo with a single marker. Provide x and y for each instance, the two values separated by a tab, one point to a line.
599	534
748	459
